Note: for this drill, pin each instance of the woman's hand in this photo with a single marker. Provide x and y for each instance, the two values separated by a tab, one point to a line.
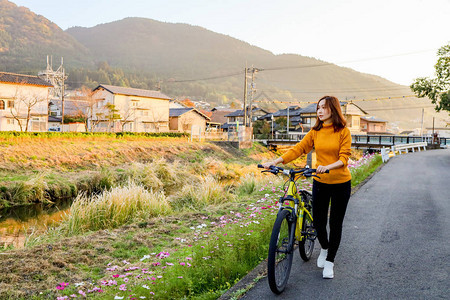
321	169
274	162
268	164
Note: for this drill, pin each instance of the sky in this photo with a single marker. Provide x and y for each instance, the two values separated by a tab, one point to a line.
395	39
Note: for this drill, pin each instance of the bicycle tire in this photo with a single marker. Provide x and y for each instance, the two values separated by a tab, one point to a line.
279	263
306	245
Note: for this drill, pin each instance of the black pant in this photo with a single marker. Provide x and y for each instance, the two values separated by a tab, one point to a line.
339	195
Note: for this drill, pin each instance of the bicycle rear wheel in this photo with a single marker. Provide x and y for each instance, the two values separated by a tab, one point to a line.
306	245
280	257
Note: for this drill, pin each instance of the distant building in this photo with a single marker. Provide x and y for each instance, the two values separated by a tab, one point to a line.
372	125
23	102
352	114
138	110
187	119
237	117
218	115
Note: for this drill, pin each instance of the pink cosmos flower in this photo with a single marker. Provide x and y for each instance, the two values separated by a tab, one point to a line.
123	287
61	286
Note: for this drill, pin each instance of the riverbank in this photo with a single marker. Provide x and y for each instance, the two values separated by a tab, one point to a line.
88	257
43	169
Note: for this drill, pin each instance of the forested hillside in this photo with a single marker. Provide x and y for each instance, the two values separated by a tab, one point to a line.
26	39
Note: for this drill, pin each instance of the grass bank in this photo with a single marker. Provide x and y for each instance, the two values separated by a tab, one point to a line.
198	246
51	167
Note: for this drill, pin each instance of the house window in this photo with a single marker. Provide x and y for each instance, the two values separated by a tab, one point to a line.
2	104
10	122
11	103
134	103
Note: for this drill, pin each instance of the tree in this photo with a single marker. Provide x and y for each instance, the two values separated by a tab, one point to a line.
187	102
438	88
24	105
112	115
86	100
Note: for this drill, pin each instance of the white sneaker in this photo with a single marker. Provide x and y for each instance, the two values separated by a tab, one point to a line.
322	257
328	270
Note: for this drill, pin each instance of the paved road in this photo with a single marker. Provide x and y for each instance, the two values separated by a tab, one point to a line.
396	238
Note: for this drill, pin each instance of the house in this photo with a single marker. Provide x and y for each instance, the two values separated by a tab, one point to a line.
129	109
187	119
23	102
218	115
372	125
351	112
76	106
282	113
237	117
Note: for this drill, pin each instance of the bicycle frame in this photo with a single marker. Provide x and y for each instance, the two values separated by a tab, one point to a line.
298	210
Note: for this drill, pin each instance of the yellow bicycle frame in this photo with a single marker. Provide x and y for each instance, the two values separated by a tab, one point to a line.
300	210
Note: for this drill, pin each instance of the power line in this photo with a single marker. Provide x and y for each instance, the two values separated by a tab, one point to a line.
398	108
206	78
352	100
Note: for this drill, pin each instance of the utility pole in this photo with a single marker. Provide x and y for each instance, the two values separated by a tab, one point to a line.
252	92
245	96
421	128
56	78
287	123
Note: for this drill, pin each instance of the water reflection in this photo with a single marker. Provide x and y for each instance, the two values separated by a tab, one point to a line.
16	222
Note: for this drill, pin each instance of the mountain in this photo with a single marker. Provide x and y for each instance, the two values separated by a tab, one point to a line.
26	39
181	52
143	53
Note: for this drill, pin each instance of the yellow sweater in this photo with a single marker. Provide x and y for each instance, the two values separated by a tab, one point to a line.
330	147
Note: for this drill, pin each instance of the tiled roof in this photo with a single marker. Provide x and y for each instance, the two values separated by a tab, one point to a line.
312	107
23	79
54	119
373	119
218	115
133	92
176	112
240	112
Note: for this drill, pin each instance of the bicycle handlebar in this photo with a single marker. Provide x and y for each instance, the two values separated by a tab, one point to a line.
307	172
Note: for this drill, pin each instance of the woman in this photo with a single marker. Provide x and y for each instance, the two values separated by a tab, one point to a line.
332	142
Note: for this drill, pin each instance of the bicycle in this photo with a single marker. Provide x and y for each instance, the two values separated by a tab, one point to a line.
294	223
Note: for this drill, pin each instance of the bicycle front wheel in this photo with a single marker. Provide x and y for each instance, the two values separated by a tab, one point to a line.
280	257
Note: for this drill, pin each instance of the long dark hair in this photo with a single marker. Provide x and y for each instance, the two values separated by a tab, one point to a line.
337	117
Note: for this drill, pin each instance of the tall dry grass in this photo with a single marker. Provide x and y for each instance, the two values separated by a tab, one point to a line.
196	196
113	208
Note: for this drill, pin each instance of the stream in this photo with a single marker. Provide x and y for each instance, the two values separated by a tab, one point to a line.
18	222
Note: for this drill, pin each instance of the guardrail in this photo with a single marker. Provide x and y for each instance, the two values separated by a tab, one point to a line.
385	152
370	141
407	147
